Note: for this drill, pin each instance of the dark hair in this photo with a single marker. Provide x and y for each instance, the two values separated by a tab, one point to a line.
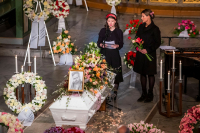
148	12
116	24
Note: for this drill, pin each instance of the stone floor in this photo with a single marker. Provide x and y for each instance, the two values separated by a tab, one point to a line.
84	28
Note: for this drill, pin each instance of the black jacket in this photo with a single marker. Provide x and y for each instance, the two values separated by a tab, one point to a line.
152	40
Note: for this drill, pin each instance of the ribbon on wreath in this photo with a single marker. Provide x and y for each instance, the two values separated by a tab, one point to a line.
35	35
61	25
26	116
66	59
113	9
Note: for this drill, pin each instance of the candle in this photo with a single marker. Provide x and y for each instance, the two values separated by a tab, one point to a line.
161	69
16	65
22	69
29	54
173	60
180	70
168	80
35	64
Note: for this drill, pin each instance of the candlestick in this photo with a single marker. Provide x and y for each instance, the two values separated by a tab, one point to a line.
173	60
29	54
180	70
35	64
22	69
168	80
16	65
161	69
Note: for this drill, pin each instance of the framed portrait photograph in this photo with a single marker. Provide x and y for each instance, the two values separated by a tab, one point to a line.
76	80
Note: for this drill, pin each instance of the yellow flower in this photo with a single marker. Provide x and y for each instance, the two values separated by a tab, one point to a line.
45	3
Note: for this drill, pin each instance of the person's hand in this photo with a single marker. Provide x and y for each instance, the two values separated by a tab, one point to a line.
115	46
143	51
101	45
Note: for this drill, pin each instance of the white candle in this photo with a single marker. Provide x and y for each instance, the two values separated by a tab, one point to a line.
168	80
180	70
22	69
16	65
29	54
173	60
161	69
35	64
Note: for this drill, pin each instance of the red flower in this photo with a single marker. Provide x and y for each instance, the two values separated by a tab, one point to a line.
135	31
194	33
137	20
140	23
129	31
134	25
134	54
130	27
126	25
131	22
129	38
132	62
138	40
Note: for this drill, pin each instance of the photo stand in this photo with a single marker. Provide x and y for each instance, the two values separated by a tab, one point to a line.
170	112
47	35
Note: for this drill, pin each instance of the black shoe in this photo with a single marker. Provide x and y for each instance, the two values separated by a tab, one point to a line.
149	98
142	98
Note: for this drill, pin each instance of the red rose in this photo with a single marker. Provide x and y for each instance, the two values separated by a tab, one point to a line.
130	27
129	31
134	54
140	23
129	38
194	33
131	22
135	31
134	25
126	25
132	62
63	4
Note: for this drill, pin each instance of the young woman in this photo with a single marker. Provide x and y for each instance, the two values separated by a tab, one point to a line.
111	41
150	34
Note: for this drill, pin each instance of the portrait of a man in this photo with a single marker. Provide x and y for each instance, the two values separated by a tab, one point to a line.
76	81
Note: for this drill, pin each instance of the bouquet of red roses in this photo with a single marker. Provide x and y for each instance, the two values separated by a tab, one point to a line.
133	26
129	59
138	44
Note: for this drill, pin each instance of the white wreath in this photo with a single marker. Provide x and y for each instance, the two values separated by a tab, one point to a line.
29	9
60	9
117	2
22	78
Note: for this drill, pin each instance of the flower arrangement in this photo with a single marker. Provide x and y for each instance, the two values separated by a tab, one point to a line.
186	25
63	44
143	128
74	130
62	130
190	121
129	59
138	43
91	47
22	78
117	2
95	70
28	8
60	9
133	26
11	122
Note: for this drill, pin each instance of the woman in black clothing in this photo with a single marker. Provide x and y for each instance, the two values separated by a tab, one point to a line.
150	34
111	41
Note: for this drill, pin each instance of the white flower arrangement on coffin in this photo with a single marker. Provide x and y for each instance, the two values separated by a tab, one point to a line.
22	78
91	47
117	2
28	8
60	9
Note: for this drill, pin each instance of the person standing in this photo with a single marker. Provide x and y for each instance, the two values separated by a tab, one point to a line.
111	41
151	36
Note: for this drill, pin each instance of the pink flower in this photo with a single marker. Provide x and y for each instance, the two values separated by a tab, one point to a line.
179	28
138	40
186	27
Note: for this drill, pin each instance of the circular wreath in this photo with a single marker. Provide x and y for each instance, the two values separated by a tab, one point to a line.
117	2
28	8
11	122
60	9
23	78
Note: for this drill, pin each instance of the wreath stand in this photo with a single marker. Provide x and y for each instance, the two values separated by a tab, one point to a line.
47	35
